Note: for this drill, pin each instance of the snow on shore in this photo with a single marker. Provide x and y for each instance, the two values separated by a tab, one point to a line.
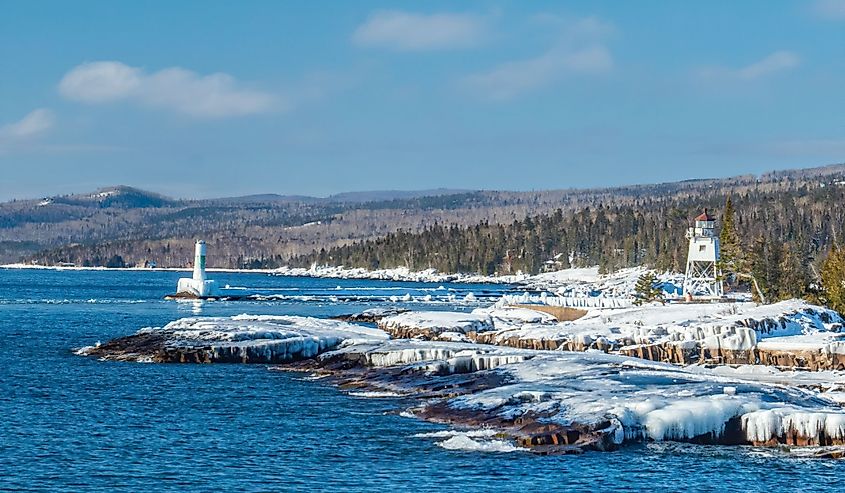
588	283
331	272
625	399
19	266
731	326
605	400
242	338
397	274
436	322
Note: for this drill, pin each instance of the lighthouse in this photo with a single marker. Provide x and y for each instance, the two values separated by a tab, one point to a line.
703	278
197	286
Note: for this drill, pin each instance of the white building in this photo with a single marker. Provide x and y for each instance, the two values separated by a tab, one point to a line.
703	278
197	285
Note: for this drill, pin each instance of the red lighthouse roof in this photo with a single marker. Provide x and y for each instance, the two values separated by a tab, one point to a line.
705	216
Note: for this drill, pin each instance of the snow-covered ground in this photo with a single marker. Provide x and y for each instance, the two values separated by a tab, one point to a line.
734	326
712	326
588	283
621	398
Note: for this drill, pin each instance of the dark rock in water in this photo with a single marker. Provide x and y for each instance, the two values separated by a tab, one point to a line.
136	347
372	315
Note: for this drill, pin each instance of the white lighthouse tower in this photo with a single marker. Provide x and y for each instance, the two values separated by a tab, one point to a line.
197	285
703	278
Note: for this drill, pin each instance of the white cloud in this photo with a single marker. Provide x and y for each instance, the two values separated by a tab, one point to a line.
579	50
514	78
203	96
36	123
776	62
830	9
571	27
406	31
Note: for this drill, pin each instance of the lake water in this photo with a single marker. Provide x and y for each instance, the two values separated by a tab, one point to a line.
69	423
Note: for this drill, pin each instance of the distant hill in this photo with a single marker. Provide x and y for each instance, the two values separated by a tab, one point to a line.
120	196
130	215
269	230
346	197
384	195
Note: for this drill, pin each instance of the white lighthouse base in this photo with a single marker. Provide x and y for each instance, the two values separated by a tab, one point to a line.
193	287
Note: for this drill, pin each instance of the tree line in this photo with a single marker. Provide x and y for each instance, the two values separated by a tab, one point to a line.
775	236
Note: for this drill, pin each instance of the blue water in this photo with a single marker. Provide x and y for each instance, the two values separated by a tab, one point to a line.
69	423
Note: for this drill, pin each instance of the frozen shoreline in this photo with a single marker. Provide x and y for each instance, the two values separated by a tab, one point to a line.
398	274
546	401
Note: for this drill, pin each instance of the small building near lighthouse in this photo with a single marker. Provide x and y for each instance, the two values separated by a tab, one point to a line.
703	278
198	285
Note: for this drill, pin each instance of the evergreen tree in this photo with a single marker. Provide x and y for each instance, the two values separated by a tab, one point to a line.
793	275
731	256
833	279
646	289
762	271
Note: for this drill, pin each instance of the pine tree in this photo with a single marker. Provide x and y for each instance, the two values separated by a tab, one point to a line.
760	269
646	290
793	276
731	257
833	279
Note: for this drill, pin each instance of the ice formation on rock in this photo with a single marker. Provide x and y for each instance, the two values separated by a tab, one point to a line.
601	401
242	338
680	333
431	324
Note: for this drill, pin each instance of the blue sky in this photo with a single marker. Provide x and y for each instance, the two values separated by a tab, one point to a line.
202	99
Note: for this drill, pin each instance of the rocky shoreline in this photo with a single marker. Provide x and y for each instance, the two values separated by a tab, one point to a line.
544	401
734	339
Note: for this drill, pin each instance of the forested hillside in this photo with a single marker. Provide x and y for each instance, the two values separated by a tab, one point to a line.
784	228
788	214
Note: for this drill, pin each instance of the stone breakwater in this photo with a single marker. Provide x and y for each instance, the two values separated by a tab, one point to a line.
545	401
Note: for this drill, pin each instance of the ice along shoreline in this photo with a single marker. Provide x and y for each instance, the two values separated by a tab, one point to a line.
325	272
544	401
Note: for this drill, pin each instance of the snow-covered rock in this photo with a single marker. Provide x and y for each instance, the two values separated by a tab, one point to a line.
734	333
430	324
597	400
713	326
242	338
507	316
